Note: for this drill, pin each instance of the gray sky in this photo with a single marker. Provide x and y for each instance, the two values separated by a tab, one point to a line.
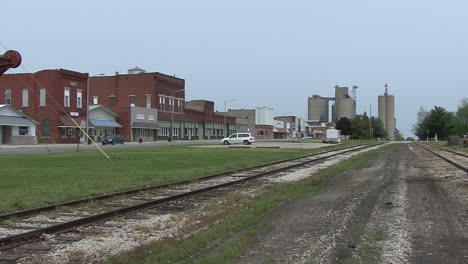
260	53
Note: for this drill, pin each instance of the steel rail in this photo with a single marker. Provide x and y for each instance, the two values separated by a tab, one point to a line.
453	163
41	209
37	235
449	150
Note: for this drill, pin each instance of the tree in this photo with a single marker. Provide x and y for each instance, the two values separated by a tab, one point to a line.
398	135
344	125
378	130
418	128
360	127
438	121
461	120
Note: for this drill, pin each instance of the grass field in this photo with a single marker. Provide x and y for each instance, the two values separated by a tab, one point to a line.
30	180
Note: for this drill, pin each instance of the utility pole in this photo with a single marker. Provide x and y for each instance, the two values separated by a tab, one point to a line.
370	122
226	130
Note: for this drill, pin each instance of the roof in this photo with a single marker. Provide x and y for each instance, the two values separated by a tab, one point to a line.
15	121
136	69
18	112
66	121
92	107
104	123
144	125
279	129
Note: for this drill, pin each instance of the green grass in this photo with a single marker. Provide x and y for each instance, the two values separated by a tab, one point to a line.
30	180
226	241
445	144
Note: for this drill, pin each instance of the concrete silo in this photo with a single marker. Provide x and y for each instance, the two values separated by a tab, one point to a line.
318	108
341	91
344	107
344	104
387	113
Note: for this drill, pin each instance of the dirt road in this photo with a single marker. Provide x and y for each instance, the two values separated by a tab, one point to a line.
405	207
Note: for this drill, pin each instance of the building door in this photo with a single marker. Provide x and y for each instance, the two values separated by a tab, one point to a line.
6	134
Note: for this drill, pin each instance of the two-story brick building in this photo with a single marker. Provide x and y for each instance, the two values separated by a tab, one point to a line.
51	98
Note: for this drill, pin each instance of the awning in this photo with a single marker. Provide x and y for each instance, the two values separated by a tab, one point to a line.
104	123
144	125
279	130
64	121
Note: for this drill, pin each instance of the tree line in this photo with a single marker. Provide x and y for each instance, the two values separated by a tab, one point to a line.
438	121
363	127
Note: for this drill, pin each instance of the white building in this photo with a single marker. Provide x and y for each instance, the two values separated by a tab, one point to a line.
16	128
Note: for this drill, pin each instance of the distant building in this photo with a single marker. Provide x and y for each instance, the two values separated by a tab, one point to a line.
387	113
248	117
102	122
316	128
152	106
291	124
264	123
344	106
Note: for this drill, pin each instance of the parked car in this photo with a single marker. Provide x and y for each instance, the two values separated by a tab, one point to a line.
308	137
113	139
237	138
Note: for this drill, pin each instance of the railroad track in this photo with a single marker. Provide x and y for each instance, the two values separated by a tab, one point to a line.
455	158
28	226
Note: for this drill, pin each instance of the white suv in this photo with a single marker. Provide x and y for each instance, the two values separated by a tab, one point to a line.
244	138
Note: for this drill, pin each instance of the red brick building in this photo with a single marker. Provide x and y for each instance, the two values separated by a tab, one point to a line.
123	92
50	97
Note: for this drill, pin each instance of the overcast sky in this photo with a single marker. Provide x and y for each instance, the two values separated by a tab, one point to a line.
259	53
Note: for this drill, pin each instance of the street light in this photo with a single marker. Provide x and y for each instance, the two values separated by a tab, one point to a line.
225	112
172	112
87	101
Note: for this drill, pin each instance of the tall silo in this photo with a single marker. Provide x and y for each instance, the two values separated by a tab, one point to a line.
341	91
318	108
387	113
344	107
344	104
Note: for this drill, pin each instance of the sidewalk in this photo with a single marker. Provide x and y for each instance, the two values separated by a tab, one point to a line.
159	142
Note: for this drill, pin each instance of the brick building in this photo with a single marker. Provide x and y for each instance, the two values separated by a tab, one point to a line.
51	98
291	127
164	97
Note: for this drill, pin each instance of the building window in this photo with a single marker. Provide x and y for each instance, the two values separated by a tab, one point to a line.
162	103
42	97
95	100
180	105
79	98
171	104
8	97
23	130
148	101
111	100
25	98
164	131
45	128
132	100
66	97
67	132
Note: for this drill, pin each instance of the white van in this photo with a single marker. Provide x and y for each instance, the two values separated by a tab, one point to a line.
238	138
